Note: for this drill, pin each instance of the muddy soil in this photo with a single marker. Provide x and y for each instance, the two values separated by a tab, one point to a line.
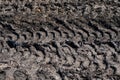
59	40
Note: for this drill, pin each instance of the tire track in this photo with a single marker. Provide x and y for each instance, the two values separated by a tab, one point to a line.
60	40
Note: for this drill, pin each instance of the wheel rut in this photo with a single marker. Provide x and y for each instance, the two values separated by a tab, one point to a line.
59	40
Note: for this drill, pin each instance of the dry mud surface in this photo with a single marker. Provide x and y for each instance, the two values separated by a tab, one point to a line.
59	39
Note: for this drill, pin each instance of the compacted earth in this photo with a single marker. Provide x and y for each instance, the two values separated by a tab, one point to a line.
59	39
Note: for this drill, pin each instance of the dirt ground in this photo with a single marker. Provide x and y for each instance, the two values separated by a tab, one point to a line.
59	39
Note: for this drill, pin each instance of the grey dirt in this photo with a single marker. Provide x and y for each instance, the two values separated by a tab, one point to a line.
59	39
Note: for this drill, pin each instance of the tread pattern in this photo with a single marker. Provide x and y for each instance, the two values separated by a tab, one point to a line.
54	40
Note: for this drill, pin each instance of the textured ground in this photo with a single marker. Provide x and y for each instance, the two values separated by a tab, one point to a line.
59	40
